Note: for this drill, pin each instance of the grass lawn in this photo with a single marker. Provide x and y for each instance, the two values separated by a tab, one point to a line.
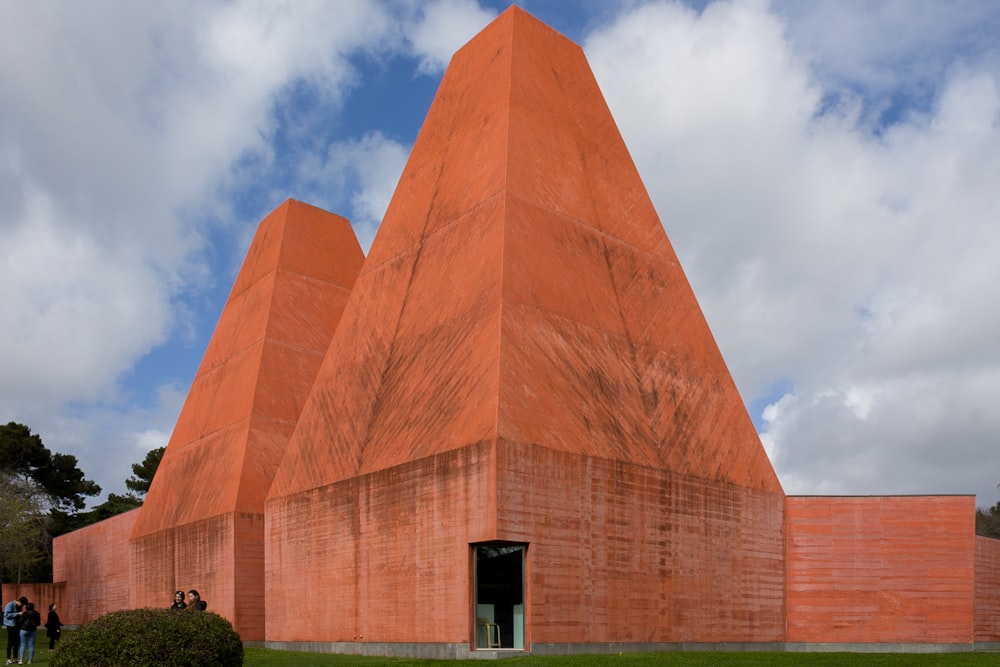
264	657
259	657
41	649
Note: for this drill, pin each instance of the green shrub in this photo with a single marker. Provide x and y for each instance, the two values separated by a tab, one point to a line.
139	637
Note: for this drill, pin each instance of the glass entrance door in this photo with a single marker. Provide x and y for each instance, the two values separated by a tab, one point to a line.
499	582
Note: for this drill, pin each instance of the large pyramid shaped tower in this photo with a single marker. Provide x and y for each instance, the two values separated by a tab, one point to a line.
522	371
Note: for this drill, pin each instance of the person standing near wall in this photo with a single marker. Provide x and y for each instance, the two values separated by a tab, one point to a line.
179	601
53	627
30	620
195	602
11	620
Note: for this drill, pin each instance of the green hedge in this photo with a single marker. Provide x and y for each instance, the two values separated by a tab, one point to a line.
139	637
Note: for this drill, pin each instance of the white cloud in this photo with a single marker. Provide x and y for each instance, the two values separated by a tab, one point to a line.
367	168
940	423
891	48
443	27
120	128
66	297
853	264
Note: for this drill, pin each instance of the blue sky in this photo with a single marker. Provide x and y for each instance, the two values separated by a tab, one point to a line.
827	172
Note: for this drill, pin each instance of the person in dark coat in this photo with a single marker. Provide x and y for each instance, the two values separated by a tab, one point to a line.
179	601
53	627
30	620
195	602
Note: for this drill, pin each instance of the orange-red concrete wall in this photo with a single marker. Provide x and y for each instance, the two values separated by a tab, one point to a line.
41	594
105	572
222	557
616	552
881	569
987	589
94	563
383	557
625	553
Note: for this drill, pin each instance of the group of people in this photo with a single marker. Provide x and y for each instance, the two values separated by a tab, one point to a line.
194	601
22	621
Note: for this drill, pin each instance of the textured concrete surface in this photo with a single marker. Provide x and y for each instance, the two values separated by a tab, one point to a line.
382	557
889	569
93	565
42	595
522	286
987	589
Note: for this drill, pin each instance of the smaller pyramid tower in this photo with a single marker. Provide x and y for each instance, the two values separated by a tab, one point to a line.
202	523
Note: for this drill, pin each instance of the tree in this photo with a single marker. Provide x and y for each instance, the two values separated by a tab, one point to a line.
65	522
23	525
24	456
56	490
43	495
113	506
143	472
988	521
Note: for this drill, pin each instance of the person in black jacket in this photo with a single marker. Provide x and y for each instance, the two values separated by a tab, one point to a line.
53	627
30	620
179	601
195	602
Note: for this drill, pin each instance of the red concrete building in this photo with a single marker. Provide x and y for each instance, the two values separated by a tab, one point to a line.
508	428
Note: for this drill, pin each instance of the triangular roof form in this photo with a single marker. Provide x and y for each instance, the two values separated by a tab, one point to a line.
521	288
258	368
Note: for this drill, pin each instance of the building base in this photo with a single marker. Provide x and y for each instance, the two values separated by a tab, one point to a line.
462	651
